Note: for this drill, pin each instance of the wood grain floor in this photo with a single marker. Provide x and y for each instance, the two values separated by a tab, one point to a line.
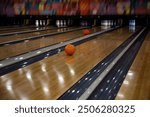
51	77
20	36
23	47
136	85
16	29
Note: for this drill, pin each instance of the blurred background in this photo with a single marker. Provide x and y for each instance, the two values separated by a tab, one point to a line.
74	7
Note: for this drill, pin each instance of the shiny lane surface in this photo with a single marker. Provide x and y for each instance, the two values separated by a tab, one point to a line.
13	26
19	48
136	85
51	77
18	29
26	35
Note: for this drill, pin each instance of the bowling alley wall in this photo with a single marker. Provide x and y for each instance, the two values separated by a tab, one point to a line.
74	7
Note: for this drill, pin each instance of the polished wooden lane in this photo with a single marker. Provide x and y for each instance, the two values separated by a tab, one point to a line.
14	26
51	77
136	85
30	34
19	48
17	29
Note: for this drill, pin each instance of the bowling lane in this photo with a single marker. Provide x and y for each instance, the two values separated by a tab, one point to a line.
18	29
136	85
14	26
19	48
30	34
3	28
51	77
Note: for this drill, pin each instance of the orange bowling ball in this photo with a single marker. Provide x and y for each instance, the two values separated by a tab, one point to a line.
86	31
70	49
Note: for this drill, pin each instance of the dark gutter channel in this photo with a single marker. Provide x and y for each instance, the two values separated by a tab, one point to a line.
24	32
81	85
39	37
15	66
108	90
12	28
37	49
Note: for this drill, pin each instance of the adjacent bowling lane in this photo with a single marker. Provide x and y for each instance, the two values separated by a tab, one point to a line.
136	85
30	34
14	26
51	77
18	29
23	47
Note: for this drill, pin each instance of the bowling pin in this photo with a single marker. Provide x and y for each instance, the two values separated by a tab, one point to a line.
57	23
37	23
64	23
40	22
44	22
47	23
